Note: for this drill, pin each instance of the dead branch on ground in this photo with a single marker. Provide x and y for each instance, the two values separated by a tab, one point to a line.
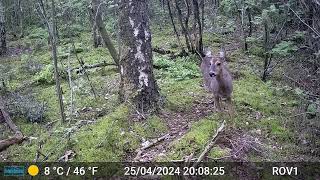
92	66
210	145
154	142
18	137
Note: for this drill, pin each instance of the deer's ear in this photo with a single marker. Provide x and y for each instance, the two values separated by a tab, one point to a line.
222	54
207	52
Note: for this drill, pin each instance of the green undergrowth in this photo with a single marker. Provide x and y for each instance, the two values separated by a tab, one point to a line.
179	69
114	135
106	140
164	38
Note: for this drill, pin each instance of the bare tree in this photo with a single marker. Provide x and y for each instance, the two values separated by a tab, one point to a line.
53	40
138	85
95	33
3	44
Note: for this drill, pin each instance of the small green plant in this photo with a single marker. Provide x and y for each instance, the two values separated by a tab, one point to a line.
180	69
284	48
162	63
38	33
46	75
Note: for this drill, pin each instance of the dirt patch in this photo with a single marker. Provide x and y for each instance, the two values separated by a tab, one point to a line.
178	124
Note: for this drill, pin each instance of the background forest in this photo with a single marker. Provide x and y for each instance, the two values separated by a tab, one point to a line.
94	80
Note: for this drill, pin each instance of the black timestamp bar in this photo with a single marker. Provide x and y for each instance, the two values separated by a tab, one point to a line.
174	171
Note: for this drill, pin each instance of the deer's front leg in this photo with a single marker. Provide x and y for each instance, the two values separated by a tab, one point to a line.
230	106
217	103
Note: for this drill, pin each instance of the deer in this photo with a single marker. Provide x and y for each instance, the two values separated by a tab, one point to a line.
217	78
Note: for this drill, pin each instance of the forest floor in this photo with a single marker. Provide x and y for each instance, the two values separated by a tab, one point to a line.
267	125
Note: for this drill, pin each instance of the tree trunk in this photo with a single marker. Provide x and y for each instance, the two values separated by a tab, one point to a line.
95	33
174	27
138	85
199	46
3	44
250	22
53	41
104	34
241	14
183	28
267	57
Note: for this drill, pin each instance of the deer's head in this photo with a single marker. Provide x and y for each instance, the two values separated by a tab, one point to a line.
216	63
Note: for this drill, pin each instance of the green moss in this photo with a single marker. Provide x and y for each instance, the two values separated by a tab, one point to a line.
152	127
163	38
218	152
53	144
275	129
194	140
107	140
212	38
257	51
251	91
181	94
48	95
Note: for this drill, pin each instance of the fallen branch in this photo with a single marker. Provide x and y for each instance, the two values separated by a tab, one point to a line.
210	145
17	139
5	116
184	160
171	54
161	50
92	66
154	142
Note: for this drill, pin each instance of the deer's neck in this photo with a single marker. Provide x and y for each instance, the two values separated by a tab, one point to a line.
221	80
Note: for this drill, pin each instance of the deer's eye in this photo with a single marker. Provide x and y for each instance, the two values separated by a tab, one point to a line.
219	63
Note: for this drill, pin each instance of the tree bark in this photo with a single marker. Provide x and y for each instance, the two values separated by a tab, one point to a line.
138	85
3	43
103	32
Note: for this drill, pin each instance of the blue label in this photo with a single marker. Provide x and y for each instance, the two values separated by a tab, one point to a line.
14	171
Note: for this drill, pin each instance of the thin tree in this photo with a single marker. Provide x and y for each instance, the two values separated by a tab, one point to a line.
174	27
95	33
3	43
53	41
199	45
103	32
138	85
